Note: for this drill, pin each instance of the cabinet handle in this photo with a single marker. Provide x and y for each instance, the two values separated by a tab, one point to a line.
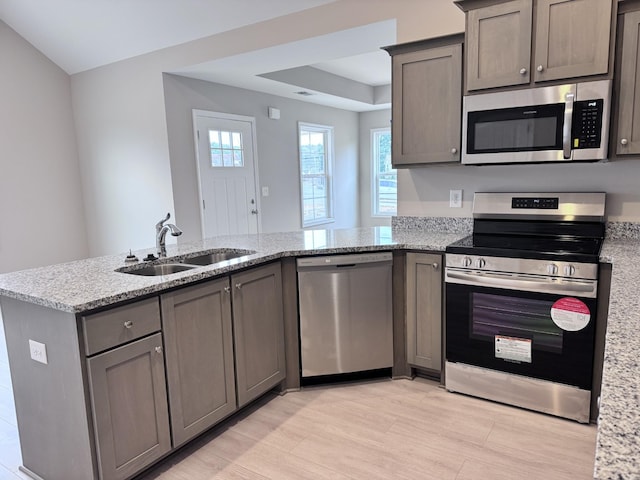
128	324
454	150
539	68
624	141
435	266
238	285
158	349
227	289
523	71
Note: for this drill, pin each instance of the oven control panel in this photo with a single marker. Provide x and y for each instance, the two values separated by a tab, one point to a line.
547	203
522	266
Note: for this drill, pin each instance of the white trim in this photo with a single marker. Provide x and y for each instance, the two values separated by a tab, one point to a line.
195	113
374	196
330	151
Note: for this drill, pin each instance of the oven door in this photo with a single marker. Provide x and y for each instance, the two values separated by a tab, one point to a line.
540	327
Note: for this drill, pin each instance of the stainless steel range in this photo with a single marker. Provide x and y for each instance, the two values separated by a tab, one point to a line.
521	298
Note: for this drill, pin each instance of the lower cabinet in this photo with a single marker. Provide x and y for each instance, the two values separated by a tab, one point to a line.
142	411
198	339
424	310
129	405
258	325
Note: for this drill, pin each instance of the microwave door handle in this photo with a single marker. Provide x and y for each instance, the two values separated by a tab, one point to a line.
566	128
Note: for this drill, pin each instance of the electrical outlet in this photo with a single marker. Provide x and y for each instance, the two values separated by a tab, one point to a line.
38	351
455	198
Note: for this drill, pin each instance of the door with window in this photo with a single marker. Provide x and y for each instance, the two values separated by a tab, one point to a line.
226	173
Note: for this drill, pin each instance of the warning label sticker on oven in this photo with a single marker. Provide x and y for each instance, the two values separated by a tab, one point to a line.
570	314
513	349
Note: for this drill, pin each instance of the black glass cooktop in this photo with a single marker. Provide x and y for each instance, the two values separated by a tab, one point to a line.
546	240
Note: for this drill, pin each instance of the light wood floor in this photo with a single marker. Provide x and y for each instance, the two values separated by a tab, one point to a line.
386	429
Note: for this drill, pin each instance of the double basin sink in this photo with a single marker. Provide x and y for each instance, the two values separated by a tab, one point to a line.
187	263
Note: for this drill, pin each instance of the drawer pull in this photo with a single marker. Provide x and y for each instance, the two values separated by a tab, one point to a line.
435	266
128	324
159	349
238	285
227	289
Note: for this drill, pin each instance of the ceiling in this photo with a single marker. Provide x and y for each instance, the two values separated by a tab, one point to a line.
345	69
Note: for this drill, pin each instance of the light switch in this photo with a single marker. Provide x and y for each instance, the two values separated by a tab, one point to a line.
265	191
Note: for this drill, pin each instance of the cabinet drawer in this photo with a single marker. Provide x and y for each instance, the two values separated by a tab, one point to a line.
120	325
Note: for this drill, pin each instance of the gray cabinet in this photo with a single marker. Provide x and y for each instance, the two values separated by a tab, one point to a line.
498	45
129	405
198	339
627	135
570	39
426	101
424	310
258	325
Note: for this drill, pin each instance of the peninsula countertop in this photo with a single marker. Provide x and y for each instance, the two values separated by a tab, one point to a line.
84	285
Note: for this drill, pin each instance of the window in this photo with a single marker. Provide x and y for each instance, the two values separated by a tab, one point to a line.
385	178
316	155
226	149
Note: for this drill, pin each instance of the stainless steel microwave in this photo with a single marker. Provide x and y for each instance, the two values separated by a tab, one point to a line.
559	123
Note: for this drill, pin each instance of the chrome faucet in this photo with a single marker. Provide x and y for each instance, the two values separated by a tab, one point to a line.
161	233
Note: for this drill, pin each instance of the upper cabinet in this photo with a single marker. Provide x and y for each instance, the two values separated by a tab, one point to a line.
498	45
426	101
515	42
627	133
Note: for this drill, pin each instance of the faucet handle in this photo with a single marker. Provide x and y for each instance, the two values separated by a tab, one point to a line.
159	224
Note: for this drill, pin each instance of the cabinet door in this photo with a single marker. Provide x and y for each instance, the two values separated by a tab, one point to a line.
424	310
199	353
572	38
628	134
258	324
427	106
498	45
129	404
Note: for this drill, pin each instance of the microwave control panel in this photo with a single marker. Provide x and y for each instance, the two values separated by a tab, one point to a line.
587	124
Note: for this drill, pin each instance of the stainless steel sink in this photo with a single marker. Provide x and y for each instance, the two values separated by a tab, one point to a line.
163	269
216	256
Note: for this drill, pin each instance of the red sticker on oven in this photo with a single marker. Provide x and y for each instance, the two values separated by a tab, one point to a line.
570	314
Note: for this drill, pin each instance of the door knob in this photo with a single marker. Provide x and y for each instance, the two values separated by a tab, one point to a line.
128	324
435	265
540	68
523	71
254	211
624	141
454	150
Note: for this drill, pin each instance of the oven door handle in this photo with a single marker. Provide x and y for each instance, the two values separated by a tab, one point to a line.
553	285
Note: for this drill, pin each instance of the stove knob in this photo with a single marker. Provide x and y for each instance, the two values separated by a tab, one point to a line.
552	269
480	263
569	270
466	262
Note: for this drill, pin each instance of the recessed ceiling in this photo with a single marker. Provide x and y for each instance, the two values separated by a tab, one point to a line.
345	69
79	35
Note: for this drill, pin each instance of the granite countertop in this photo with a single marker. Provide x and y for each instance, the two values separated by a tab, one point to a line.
85	285
618	443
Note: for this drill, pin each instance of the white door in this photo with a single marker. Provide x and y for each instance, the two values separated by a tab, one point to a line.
226	173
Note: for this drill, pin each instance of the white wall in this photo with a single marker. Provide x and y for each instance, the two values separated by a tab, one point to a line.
277	152
41	203
121	126
368	121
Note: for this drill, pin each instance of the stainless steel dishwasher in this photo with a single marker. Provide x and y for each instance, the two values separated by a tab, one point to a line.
345	313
